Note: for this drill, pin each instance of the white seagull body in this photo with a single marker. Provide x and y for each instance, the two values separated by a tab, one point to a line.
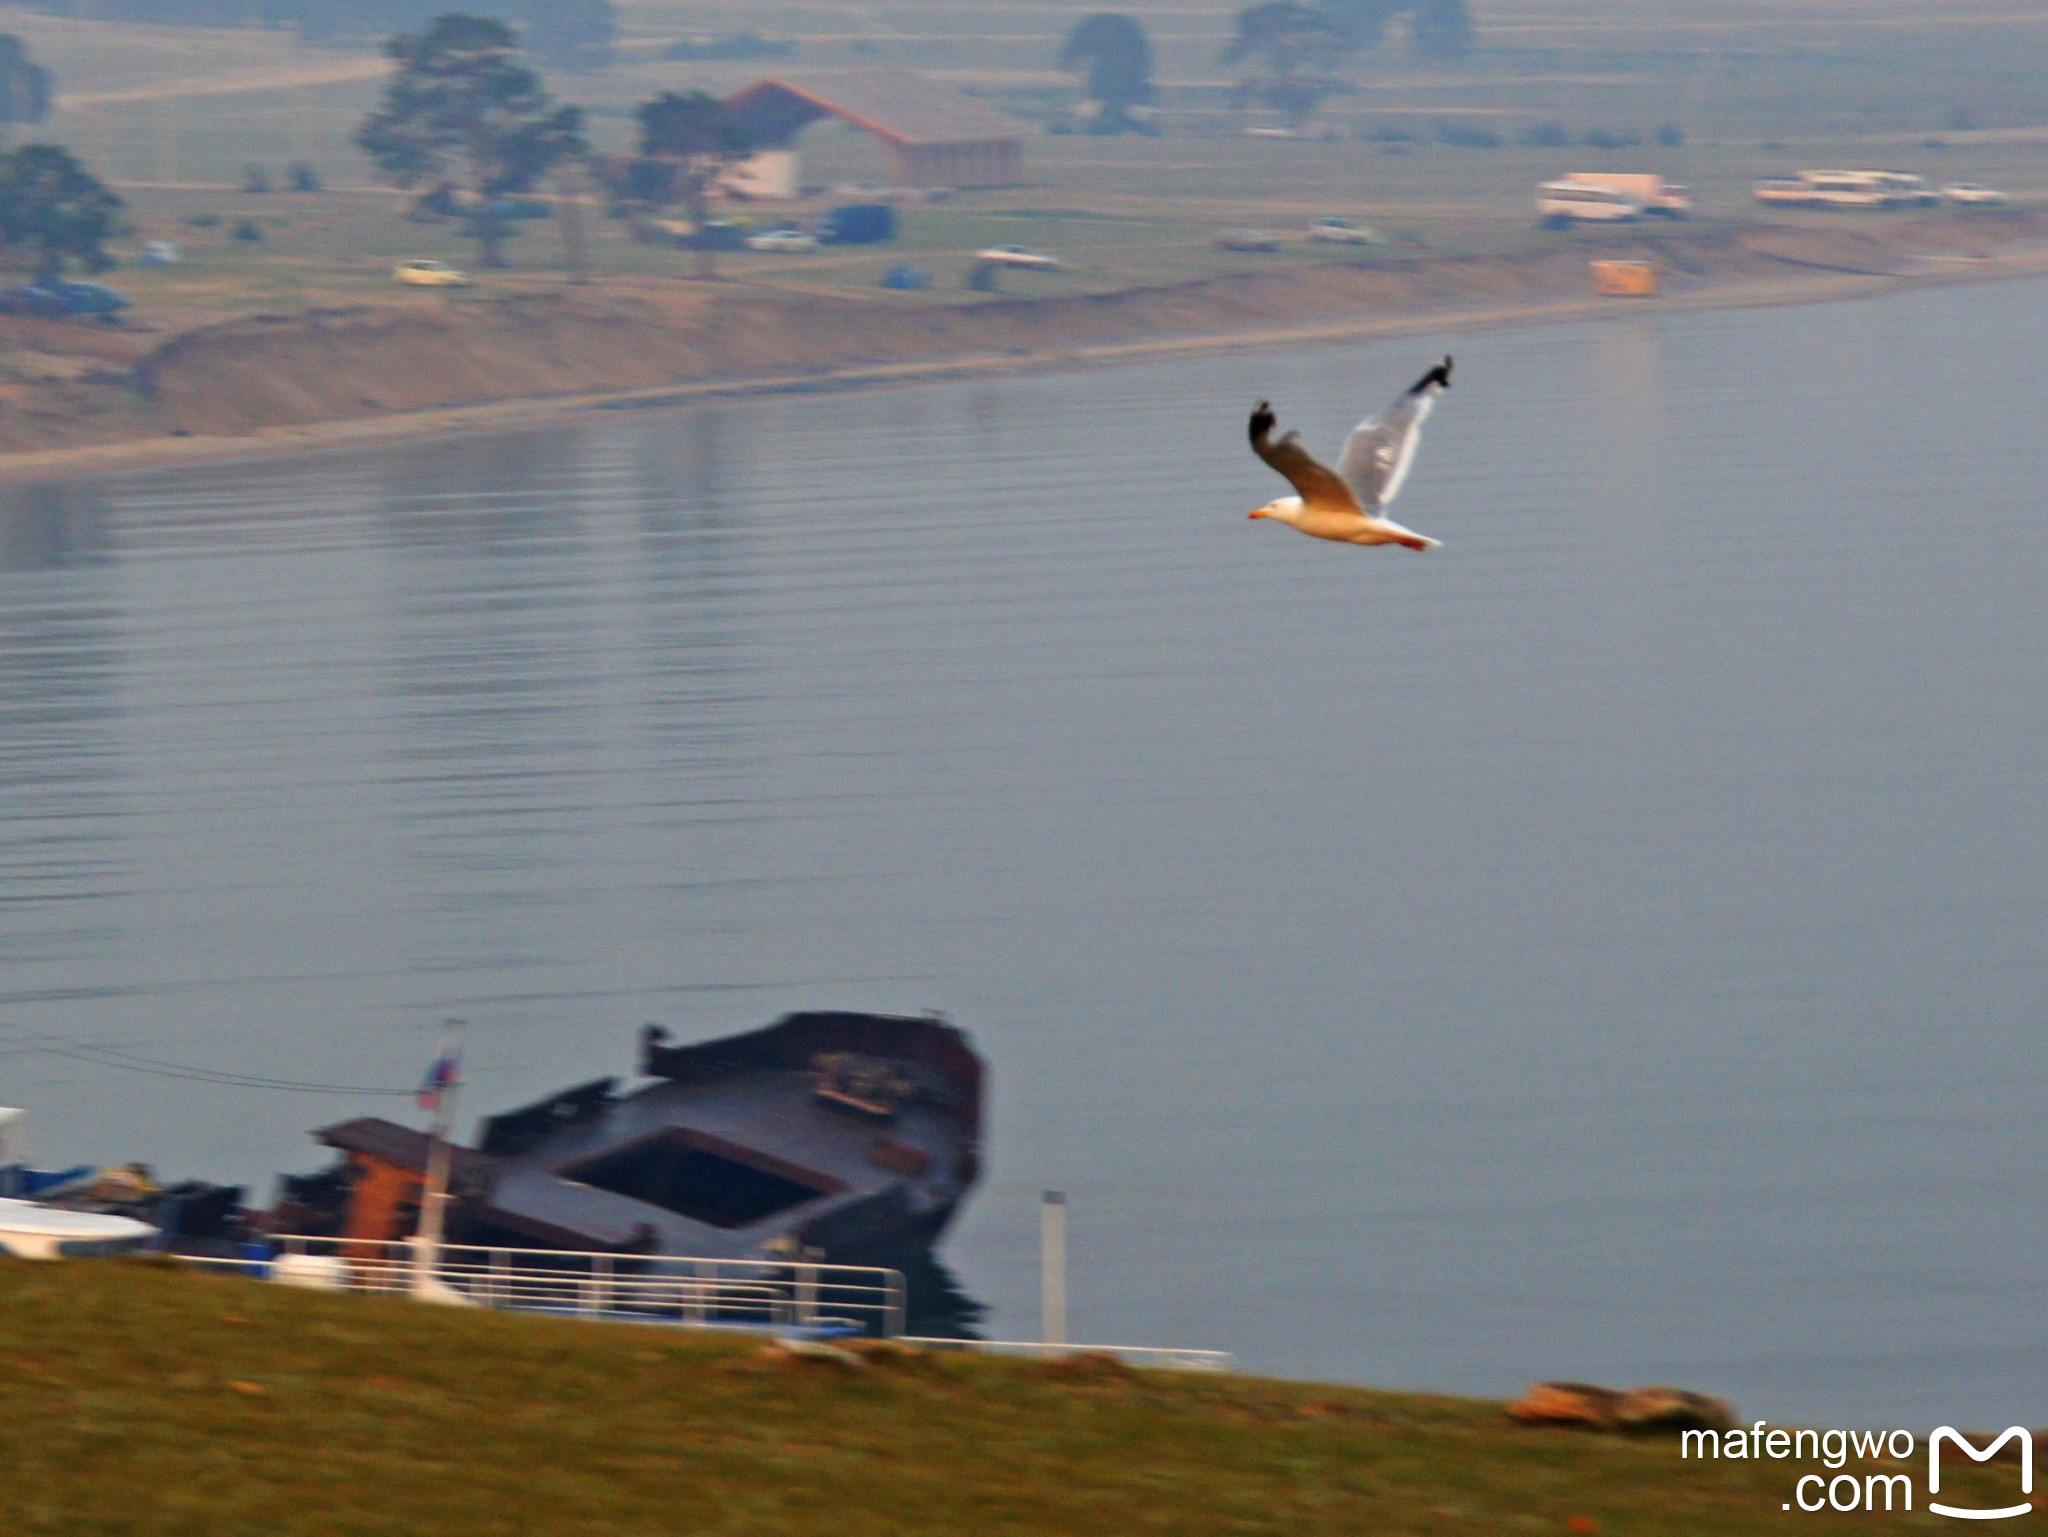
1347	503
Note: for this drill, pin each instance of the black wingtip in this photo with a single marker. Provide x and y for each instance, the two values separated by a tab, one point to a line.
1440	376
1262	420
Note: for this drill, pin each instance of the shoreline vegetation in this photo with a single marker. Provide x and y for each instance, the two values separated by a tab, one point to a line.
142	1398
115	400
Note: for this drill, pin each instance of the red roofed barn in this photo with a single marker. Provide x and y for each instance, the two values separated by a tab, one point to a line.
933	136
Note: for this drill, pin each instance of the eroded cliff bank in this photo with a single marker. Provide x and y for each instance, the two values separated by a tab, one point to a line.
238	380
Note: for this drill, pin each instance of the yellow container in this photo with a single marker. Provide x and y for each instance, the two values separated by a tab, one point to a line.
1625	280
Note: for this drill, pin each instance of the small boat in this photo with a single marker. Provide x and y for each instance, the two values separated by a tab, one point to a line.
190	1216
29	1230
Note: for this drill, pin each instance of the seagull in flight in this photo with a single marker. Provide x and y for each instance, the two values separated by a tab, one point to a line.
1345	503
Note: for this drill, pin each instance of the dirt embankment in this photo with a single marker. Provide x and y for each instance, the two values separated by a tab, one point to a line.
244	377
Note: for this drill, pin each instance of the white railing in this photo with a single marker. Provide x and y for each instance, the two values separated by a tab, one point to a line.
1132	1355
797	1296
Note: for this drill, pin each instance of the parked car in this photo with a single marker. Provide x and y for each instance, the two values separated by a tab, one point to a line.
423	272
1907	190
1661	199
1561	204
1344	232
90	298
714	235
29	299
1017	256
858	224
61	297
1848	189
1967	194
907	278
161	253
1247	240
450	203
782	240
1784	192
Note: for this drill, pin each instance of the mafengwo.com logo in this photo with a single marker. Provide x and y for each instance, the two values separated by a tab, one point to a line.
1843	1489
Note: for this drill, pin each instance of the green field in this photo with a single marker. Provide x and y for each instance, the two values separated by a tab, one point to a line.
136	1398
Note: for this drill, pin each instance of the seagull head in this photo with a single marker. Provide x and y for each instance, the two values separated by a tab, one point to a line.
1286	509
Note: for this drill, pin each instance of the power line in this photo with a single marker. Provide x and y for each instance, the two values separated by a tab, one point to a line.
45	1044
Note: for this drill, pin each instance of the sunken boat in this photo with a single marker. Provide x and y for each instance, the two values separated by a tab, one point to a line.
837	1137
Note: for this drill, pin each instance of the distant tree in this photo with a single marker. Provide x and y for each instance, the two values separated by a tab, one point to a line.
303	176
461	106
1442	29
1293	47
687	140
570	34
1288	51
53	210
562	34
1117	58
1466	135
1671	136
25	86
1360	23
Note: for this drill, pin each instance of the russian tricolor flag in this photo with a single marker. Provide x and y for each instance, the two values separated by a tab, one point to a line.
440	1077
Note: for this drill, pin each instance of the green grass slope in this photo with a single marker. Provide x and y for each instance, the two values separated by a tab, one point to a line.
136	1398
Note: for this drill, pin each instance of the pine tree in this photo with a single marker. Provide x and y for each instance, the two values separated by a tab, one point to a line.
461	106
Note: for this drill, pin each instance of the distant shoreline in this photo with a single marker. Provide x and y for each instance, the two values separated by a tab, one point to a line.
945	338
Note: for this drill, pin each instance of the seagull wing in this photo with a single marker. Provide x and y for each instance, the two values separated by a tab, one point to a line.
1319	485
1381	448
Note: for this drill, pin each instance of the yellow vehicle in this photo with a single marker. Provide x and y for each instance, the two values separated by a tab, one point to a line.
424	273
1625	279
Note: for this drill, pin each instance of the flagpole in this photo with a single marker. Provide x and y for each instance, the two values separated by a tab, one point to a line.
434	1199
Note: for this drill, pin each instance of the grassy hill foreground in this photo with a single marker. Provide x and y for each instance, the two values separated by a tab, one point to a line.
137	1398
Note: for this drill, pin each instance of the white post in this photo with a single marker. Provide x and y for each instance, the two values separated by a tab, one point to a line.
1052	1265
806	1295
426	1255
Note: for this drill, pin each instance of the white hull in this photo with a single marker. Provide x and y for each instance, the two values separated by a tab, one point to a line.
29	1231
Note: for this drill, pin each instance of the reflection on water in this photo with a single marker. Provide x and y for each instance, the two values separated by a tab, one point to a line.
1607	948
49	527
61	657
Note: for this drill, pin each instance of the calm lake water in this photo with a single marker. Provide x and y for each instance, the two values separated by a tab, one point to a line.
1612	946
